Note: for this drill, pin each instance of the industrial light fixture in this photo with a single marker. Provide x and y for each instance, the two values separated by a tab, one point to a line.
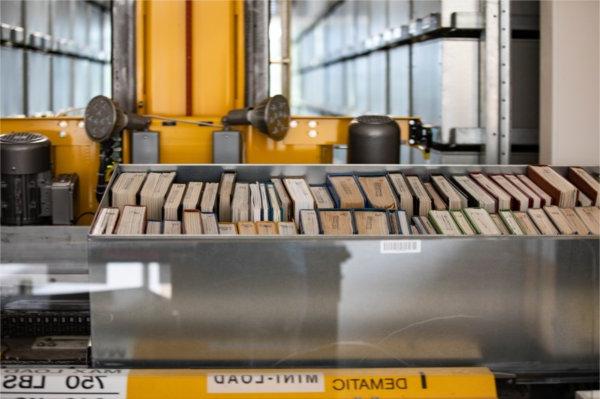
271	117
104	118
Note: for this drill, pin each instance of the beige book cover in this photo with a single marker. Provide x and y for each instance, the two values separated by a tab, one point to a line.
209	223
246	228
172	227
403	192
173	202
284	200
454	200
309	223
502	198
511	223
544	197
590	216
371	223
478	194
225	194
191	199
526	224
132	220
462	222
287	228
240	205
427	225
322	197
500	224
347	191
106	221
378	191
585	183
266	228
209	197
153	227
563	193
443	223
541	221
535	201
436	199
126	189
481	221
575	221
338	223
559	220
300	194
418	191
519	201
191	222
228	229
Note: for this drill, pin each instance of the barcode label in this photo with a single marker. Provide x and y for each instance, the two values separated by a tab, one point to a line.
400	246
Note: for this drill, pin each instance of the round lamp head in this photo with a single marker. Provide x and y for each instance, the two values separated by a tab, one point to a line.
272	117
102	118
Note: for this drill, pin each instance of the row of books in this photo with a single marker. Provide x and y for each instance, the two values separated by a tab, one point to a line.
282	199
549	220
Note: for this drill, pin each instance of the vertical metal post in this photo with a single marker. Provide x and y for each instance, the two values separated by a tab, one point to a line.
123	54
256	37
491	80
286	6
505	83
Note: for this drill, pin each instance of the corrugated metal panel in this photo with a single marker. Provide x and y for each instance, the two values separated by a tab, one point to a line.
11	62
38	87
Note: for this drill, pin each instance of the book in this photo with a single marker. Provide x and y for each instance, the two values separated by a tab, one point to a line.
191	199
481	221
575	221
322	197
500	224
132	220
590	216
378	191
225	195
418	225
277	212
518	200
563	193
126	188
255	202
153	227
154	192
192	223
477	196
173	202
559	220
265	212
436	199
300	195
422	202
403	224
337	223
452	197
462	222
545	199
309	222
246	228
585	183
541	221
240	205
429	229
172	227
106	221
345	191
208	203
266	228
286	228
414	230
443	223
371	223
526	224
511	223
405	197
228	229
503	199
209	223
284	200
583	200
535	201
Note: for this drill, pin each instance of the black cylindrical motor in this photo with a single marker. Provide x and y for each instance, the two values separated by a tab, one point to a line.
26	176
374	139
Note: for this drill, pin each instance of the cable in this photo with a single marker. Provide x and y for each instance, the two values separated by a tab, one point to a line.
82	215
197	123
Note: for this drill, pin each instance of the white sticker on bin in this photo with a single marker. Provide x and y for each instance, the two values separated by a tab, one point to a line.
400	246
265	382
63	383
